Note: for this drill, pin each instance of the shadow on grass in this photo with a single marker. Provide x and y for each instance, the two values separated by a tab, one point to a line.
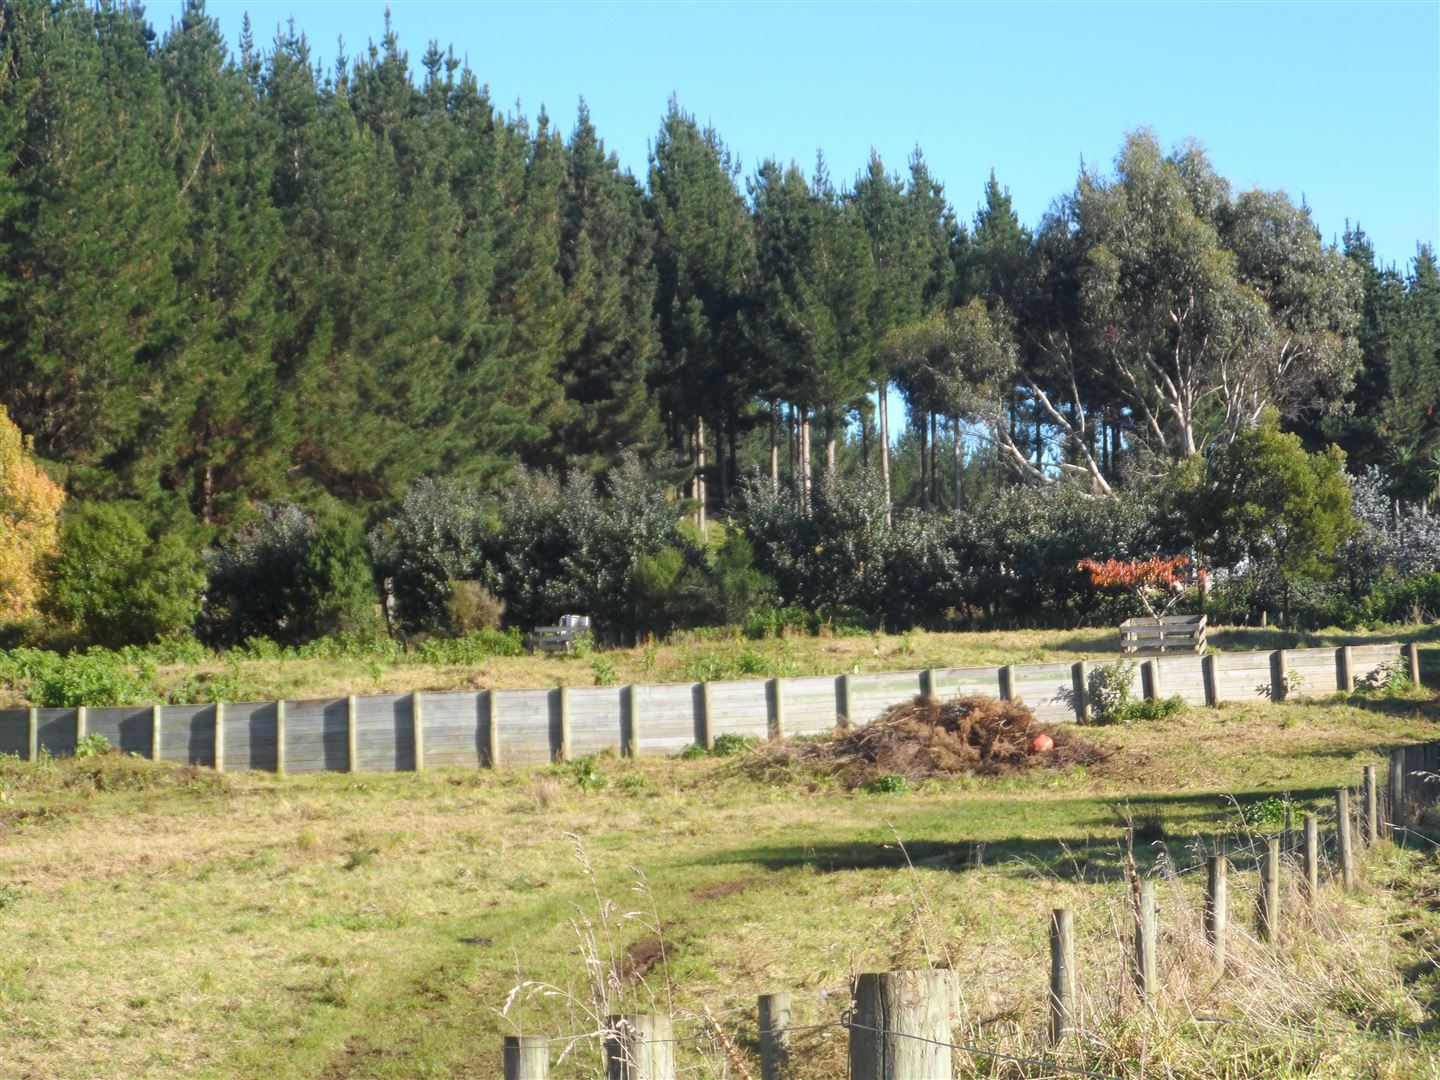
1179	830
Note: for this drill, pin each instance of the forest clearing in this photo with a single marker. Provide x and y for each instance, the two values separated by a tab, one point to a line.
162	921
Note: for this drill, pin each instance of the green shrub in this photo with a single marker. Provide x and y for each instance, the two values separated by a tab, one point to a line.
1391	677
92	745
96	677
604	669
889	784
112	585
471	648
585	771
1160	709
693	751
1267	815
732	743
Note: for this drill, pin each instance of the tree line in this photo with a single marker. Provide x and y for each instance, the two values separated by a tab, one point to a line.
237	281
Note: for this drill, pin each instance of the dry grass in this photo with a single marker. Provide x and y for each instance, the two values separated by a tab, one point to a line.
162	923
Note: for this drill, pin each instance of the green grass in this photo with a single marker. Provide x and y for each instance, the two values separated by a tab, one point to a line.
163	922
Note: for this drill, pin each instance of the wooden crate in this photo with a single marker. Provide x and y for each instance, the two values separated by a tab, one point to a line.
1167	634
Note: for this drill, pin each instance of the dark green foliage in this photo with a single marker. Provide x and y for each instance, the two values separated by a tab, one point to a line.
112	585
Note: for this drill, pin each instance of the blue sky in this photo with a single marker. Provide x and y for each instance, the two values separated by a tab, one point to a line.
1338	103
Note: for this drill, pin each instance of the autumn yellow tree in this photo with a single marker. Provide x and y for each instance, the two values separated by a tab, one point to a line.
29	522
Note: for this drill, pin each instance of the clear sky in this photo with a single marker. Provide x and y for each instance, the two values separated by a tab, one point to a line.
1338	103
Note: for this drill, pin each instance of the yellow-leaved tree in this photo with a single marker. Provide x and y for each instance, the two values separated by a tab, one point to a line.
29	522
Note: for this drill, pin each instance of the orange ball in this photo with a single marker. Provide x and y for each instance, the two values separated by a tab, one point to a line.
1041	743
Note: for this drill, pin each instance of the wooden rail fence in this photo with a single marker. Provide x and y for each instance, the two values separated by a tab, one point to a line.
900	1024
475	728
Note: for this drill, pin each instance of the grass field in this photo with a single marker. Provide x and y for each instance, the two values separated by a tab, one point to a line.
696	656
167	922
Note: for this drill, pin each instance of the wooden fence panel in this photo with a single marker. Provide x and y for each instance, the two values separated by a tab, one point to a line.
317	736
1368	660
56	731
1046	688
740	708
812	704
1312	672
249	734
595	716
384	733
1182	676
958	682
127	727
872	694
456	728
667	718
187	734
529	726
15	732
1243	676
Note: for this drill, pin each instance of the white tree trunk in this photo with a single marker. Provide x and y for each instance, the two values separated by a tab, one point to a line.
884	413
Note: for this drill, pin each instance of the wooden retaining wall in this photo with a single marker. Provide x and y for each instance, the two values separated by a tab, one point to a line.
475	728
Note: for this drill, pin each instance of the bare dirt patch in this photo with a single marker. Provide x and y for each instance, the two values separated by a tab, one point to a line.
722	889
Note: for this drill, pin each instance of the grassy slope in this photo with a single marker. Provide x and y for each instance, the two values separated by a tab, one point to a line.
161	922
711	655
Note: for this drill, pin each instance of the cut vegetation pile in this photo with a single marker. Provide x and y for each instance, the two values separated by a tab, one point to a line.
975	735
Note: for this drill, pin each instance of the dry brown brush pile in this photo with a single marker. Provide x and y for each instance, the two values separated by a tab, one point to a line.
975	735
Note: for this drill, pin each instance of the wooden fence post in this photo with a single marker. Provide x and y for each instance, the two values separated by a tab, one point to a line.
33	733
1268	908
900	1025
1412	655
527	1057
1345	669
1396	795
1372	808
1207	675
82	718
1343	854
1312	856
774	1036
280	737
707	723
777	708
1080	686
640	1047
219	736
1279	676
1007	682
492	728
1062	975
563	694
927	683
352	744
156	715
417	729
847	694
629	723
1217	907
1145	926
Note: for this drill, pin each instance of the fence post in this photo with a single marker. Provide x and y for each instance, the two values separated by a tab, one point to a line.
1345	669
1412	654
847	692
640	1047
156	712
492	729
774	1036
1007	682
280	737
34	733
1268	910
927	682
1279	676
1343	853
1312	856
1372	808
1145	919
1217	907
630	735
1207	675
777	712
1062	975
417	729
900	1025
82	718
707	725
1396	797
1080	684
219	736
352	745
564	697
527	1057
